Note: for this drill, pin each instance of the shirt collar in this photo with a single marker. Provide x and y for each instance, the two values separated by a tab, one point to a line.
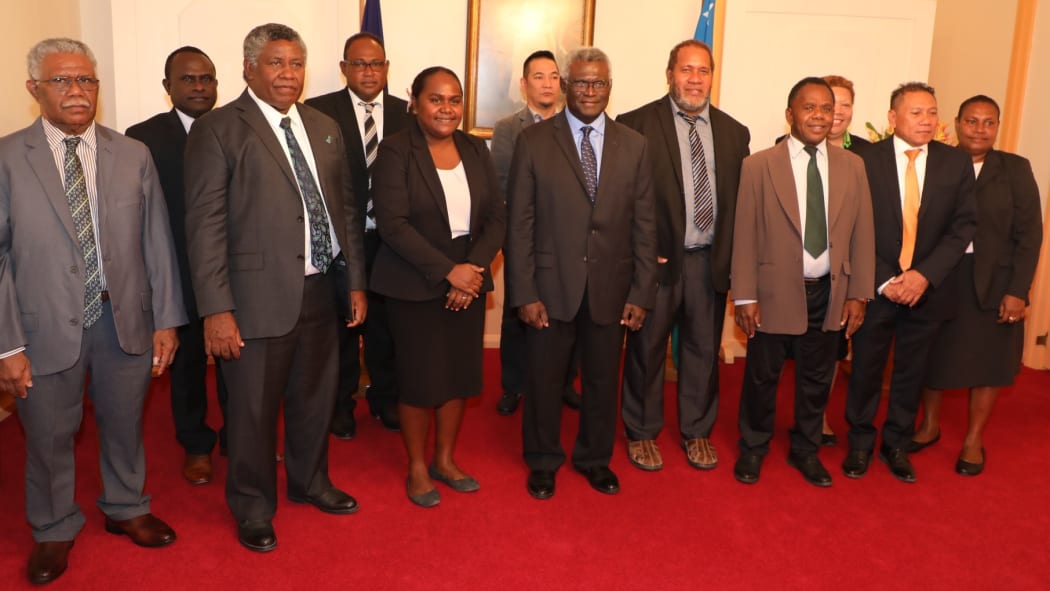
272	115
55	136
900	146
187	121
797	146
704	115
378	100
575	125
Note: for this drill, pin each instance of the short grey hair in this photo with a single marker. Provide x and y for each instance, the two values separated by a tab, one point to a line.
259	36
585	54
55	45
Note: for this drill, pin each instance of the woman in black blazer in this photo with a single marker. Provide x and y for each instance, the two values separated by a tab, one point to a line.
981	347
442	221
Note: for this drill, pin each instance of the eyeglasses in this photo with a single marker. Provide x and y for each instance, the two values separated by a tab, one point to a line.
361	65
62	83
583	85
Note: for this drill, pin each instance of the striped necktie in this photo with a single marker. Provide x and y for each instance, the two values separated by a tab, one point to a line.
371	149
80	208
703	199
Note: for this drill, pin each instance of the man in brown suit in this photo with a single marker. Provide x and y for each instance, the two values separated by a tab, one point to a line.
803	269
581	258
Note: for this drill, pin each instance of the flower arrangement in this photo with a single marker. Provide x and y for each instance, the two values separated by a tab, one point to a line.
943	133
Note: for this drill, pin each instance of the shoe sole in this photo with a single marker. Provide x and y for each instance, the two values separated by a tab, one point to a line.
253	548
745	479
539	496
904	479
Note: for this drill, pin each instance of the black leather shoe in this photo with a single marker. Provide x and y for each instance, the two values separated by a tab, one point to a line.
387	415
898	462
916	446
571	398
856	463
508	403
540	484
811	468
343	426
747	468
257	536
601	479
332	500
828	439
48	561
965	468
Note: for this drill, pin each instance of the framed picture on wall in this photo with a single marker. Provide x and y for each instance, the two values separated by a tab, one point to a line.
500	35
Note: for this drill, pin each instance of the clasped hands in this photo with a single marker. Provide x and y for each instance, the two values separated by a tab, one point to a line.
906	289
465	280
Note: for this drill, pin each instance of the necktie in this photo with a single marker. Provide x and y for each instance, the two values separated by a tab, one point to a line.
815	238
703	200
320	239
589	163
910	212
76	194
371	149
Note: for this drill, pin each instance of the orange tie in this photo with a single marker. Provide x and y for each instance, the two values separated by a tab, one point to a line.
910	213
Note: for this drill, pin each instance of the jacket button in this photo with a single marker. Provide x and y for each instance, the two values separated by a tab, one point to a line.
299	219
585	259
300	257
72	321
73	269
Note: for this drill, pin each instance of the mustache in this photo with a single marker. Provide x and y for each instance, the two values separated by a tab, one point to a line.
76	103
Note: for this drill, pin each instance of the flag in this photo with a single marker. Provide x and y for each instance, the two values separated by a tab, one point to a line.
372	19
705	25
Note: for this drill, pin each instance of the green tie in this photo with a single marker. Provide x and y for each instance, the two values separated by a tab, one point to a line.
815	239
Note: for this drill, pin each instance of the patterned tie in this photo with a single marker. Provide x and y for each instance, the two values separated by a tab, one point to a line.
371	149
815	238
703	200
910	213
589	162
79	207
320	239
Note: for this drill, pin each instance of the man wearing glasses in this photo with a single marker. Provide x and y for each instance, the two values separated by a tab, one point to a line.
581	258
366	114
89	284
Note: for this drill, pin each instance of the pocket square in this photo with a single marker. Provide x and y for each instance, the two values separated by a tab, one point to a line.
328	140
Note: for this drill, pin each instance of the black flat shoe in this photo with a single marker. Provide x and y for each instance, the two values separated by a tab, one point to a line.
387	416
899	464
540	484
747	468
828	440
508	403
917	446
428	499
811	468
601	479
344	425
257	536
332	500
965	468
856	463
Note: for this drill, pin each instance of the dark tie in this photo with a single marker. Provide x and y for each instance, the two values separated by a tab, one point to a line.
815	238
320	239
371	149
703	200
80	208
589	163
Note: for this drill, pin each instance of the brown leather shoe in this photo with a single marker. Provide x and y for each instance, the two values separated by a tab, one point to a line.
700	453
48	561
145	530
645	455
197	469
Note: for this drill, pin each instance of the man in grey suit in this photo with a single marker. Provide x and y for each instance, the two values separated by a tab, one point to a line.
581	258
696	151
272	219
88	284
540	86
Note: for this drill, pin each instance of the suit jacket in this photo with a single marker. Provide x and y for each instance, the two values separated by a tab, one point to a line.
339	106
767	242
1009	229
165	137
417	251
244	215
655	121
947	221
42	266
504	135
559	246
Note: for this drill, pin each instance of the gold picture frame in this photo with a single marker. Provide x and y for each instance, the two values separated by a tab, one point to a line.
500	35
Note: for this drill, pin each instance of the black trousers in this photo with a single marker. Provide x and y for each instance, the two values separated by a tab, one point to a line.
887	324
513	354
550	353
815	353
189	391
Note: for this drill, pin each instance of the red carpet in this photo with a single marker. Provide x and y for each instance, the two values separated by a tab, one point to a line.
674	529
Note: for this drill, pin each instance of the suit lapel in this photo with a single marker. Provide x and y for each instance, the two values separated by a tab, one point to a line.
320	142
993	165
105	159
836	187
253	117
42	161
427	170
933	162
476	180
670	136
784	184
351	132
610	163
563	137
887	160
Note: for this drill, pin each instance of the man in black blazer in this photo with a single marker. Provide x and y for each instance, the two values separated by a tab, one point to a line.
694	242
581	258
365	67
272	218
915	281
189	79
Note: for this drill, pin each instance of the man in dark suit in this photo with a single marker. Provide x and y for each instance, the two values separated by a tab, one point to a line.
925	213
89	284
272	218
540	87
365	67
803	267
581	258
189	79
696	151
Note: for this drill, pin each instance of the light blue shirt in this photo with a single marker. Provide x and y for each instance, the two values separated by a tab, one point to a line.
597	137
693	235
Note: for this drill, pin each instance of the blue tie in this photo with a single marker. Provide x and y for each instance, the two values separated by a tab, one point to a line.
320	239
